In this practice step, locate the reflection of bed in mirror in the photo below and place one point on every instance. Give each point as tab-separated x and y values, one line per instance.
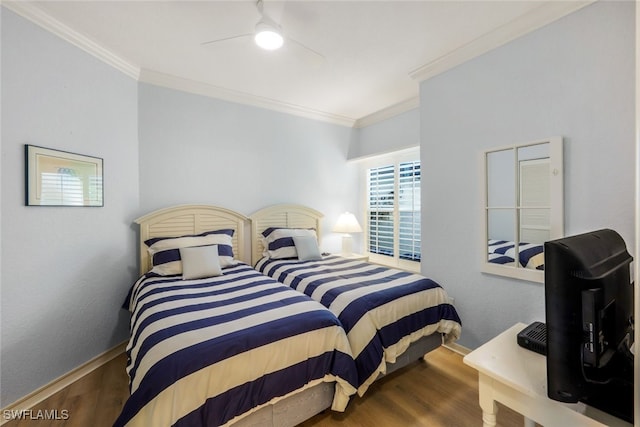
530	255
523	207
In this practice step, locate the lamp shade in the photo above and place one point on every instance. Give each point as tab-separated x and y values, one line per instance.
268	36
347	223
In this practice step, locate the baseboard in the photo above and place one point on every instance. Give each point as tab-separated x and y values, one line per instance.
462	350
37	396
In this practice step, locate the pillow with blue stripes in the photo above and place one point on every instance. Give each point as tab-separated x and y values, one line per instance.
278	242
165	251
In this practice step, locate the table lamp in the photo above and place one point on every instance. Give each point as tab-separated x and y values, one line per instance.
347	223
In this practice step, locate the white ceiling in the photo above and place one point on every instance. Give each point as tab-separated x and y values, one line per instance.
374	52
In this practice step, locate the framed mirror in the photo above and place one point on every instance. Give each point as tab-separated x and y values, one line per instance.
523	207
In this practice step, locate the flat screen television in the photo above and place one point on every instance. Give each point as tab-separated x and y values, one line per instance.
589	321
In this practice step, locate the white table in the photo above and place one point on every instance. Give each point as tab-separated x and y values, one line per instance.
517	378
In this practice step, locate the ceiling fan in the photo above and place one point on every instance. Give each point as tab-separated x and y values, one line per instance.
268	35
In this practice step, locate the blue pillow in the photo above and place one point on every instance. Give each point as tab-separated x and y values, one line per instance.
307	248
200	262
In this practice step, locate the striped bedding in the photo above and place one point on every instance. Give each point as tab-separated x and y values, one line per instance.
383	310
208	352
503	252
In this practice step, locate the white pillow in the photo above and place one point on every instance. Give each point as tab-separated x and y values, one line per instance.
307	248
199	262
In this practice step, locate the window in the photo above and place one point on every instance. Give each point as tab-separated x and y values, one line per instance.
393	211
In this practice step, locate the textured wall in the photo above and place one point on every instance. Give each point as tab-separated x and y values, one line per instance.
195	149
65	271
396	133
573	78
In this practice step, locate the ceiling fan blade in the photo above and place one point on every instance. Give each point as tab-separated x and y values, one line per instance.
226	39
313	52
296	48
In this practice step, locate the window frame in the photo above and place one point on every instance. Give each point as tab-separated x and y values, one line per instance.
395	159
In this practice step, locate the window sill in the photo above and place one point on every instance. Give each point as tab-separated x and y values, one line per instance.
411	266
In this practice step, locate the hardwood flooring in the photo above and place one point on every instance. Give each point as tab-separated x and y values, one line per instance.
440	391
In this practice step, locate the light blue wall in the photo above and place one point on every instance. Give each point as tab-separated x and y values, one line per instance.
573	78
195	149
393	134
65	271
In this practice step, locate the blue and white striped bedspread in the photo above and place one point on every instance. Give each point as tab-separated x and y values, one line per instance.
503	252
383	310
208	352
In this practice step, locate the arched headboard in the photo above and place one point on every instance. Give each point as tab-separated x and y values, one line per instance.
190	219
285	216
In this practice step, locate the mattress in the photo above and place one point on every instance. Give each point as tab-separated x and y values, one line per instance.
212	351
383	310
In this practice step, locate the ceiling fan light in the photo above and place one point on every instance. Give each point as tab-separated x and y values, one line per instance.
268	37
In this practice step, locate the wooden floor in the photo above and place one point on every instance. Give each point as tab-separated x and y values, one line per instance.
438	392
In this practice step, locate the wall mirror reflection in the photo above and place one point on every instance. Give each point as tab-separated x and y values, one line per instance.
523	207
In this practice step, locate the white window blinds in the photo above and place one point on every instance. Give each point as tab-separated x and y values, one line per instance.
393	210
61	188
409	211
381	210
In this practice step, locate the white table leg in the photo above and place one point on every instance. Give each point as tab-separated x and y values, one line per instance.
488	405
488	420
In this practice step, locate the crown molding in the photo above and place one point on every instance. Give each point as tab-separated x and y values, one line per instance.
36	15
199	88
537	18
389	112
39	17
544	14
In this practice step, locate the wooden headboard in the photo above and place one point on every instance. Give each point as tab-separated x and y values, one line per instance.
190	219
286	216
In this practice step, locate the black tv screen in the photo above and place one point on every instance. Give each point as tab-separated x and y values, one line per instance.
589	321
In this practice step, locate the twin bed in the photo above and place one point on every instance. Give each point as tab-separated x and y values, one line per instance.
215	341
